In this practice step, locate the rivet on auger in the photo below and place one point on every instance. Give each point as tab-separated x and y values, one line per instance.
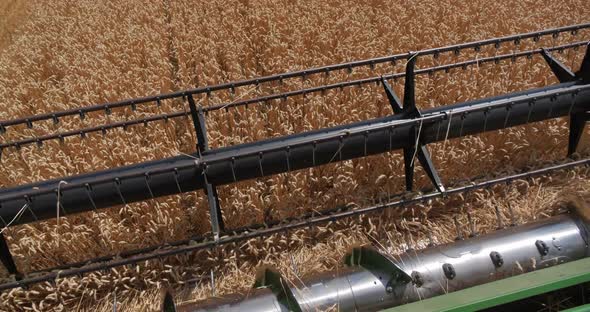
449	271
497	259
417	279
542	247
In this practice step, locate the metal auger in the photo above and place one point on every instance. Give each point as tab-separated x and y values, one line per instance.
373	280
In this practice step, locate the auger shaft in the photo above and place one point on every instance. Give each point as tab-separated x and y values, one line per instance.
373	280
246	161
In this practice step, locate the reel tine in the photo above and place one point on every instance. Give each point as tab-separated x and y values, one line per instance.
2	219
176	174
314	145
531	105
498	218
147	178
288	152
513	221
408	242
212	283
118	187
366	138
29	203
260	155
472	226
233	168
486	114
89	194
458	229
430	239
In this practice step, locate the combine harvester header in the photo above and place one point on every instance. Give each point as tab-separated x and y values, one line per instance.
374	280
408	128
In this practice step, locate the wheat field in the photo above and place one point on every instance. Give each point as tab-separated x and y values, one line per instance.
62	54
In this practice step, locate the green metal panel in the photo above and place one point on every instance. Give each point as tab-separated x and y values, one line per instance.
506	290
582	308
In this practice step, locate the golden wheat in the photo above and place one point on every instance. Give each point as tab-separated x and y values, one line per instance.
69	54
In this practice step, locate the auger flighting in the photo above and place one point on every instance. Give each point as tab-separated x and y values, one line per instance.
373	280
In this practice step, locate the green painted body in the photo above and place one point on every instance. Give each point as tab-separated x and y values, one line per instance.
582	308
507	290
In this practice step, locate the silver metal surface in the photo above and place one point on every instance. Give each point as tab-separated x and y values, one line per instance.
516	250
350	289
472	262
260	300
